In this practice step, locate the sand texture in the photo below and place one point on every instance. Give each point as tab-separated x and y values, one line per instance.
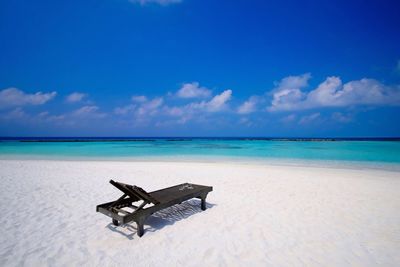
258	215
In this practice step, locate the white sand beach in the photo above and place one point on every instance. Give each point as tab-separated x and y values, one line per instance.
258	215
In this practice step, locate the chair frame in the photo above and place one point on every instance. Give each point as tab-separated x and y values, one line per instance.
114	209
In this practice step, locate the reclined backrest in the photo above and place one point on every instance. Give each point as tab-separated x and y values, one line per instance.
136	193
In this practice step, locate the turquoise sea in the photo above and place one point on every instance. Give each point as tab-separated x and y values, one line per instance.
340	151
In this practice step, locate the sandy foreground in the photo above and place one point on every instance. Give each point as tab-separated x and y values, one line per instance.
258	215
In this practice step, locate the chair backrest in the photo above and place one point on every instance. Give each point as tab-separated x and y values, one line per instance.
135	192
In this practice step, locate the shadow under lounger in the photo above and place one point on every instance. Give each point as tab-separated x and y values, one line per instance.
159	199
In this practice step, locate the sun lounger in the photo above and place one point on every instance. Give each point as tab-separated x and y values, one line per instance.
155	201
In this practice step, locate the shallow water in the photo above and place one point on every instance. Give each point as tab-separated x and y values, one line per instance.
335	151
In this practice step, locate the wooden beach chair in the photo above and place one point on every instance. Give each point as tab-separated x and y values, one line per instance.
156	200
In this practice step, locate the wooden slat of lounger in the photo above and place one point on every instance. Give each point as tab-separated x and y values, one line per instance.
146	196
169	197
124	203
170	193
123	187
135	191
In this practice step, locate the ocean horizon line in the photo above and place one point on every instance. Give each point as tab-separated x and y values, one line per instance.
183	138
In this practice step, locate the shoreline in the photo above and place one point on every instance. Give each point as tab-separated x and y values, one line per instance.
330	164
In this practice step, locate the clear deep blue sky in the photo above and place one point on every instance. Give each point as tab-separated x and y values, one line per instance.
199	68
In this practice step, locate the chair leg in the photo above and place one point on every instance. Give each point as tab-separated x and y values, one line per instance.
203	202
115	222
140	227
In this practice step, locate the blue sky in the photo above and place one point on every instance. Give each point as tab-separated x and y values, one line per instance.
199	68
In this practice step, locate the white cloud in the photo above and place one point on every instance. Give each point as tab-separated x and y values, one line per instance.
76	117
160	2
217	103
309	118
20	116
142	107
15	114
193	90
75	97
288	92
197	109
249	105
88	112
139	98
294	82
332	93
124	110
85	110
11	97
184	113
174	111
150	107
45	116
